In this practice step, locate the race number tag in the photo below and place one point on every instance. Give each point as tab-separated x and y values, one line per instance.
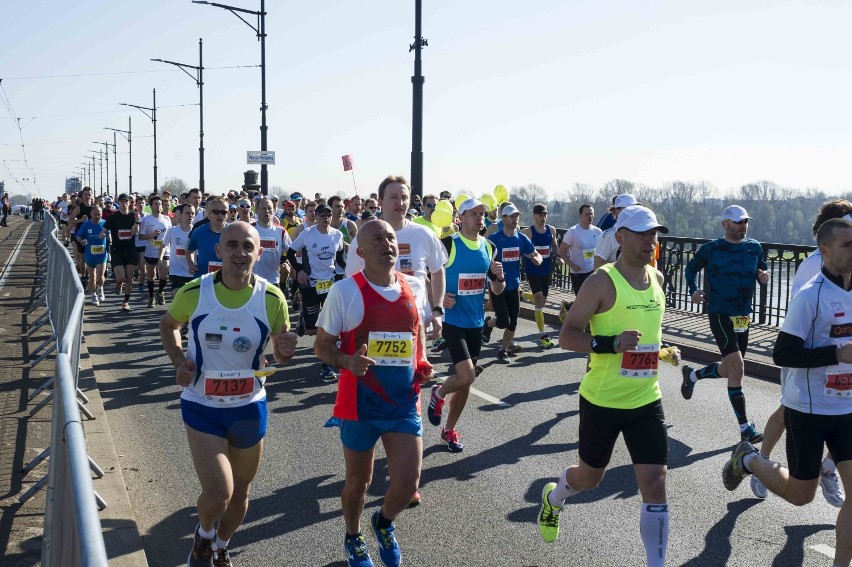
543	250
98	249
180	251
125	234
588	254
405	263
158	243
391	349
511	254
323	286
213	267
642	362
228	384
839	384
740	323
267	244
471	284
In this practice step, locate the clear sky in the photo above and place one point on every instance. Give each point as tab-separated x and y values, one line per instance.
551	92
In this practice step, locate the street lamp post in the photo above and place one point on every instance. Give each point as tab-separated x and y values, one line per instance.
199	82
127	135
260	31
106	154
153	117
417	102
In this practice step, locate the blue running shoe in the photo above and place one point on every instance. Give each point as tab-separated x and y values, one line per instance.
388	547
357	553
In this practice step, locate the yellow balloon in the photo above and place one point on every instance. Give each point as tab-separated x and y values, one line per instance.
442	218
501	194
461	199
444	205
489	201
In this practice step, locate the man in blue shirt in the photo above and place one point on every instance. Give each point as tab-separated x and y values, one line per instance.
731	265
201	250
509	246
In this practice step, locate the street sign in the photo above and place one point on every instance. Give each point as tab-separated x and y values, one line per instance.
261	157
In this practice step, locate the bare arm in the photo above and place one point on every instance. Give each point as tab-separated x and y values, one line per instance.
325	347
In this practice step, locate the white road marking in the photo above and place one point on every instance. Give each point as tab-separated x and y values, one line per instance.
9	263
826	550
483	395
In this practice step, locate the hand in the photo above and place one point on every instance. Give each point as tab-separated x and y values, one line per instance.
449	300
574	267
185	373
844	353
359	363
303	278
84	242
558	260
698	296
284	345
670	354
537	259
434	326
628	340
424	372
496	268
762	277
191	266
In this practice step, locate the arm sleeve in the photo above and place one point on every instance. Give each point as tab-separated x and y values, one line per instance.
761	261
698	262
790	351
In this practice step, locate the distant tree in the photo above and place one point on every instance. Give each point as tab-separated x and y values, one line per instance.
174	185
19	200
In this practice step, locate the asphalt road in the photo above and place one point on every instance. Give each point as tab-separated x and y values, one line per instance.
480	506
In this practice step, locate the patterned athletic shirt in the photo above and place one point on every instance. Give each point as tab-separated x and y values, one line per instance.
730	274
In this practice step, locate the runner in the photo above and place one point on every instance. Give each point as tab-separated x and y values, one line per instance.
353	208
274	243
290	220
543	237
732	263
122	226
429	203
376	315
578	251
606	250
344	225
232	314
139	205
94	250
624	303
320	247
815	350
202	256
152	228
470	265
79	215
62	206
509	245
175	241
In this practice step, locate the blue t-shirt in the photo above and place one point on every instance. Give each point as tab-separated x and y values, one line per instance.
467	277
543	243
730	274
509	252
204	241
95	247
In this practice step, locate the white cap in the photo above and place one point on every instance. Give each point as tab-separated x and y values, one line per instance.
639	219
510	210
625	200
735	213
472	204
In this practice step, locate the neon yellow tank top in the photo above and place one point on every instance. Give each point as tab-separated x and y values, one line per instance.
627	380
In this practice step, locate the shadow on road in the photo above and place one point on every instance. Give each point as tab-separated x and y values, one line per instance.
793	552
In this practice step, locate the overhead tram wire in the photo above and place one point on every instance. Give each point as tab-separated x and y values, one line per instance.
120	73
4	96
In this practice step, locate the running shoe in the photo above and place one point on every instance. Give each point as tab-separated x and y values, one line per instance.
545	343
161	298
118	289
438	345
453	440
486	331
734	470
757	488
548	517
436	406
832	488
101	294
328	373
201	554
388	547
514	348
300	328
357	554
125	306
751	434
563	311
415	500
221	558
477	370
503	357
151	301
687	386
95	300
528	295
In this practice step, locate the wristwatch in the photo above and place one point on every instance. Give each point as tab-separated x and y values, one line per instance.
438	310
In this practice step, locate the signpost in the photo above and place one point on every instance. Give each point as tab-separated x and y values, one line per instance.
261	157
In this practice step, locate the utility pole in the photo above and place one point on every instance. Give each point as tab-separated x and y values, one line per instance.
417	102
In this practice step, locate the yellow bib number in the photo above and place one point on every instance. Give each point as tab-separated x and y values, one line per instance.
98	249
741	323
391	349
323	286
588	254
158	243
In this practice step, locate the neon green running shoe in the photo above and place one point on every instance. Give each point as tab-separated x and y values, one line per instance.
548	518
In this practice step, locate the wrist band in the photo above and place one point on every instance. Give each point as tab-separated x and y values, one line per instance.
602	344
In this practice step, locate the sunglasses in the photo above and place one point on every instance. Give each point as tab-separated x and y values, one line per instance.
430	205
219	211
742	222
245	206
373	208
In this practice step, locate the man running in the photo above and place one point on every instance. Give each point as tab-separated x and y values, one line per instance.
274	243
344	225
94	252
202	256
176	240
815	351
152	228
470	266
731	265
606	250
543	237
232	314
624	304
79	215
376	315
578	251
123	227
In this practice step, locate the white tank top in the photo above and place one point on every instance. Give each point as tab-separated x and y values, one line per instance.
226	346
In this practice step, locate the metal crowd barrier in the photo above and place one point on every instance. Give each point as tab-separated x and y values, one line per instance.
72	528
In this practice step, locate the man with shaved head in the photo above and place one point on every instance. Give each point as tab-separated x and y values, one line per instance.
376	315
232	315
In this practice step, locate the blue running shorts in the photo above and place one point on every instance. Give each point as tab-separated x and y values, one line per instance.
362	434
243	426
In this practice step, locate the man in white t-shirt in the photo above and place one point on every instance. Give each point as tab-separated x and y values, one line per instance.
175	241
62	207
152	227
578	247
814	348
274	243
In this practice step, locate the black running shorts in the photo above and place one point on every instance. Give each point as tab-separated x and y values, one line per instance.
124	257
539	283
806	435
463	344
506	306
644	430
726	339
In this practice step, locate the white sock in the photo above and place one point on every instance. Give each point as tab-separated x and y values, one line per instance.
693	377
828	466
654	529
562	491
207	534
220	543
747	459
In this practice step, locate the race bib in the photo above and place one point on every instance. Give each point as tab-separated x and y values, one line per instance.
98	249
158	243
323	286
471	284
543	250
228	384
642	362
391	349
213	267
511	254
839	382
268	243
180	251
740	323
125	234
406	266
588	254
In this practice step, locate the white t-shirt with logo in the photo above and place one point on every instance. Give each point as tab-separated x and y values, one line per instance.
321	250
176	240
420	252
581	246
149	225
274	241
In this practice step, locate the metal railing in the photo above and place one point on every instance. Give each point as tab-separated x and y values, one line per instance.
770	301
72	528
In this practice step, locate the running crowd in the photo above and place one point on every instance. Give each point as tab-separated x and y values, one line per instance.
382	281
